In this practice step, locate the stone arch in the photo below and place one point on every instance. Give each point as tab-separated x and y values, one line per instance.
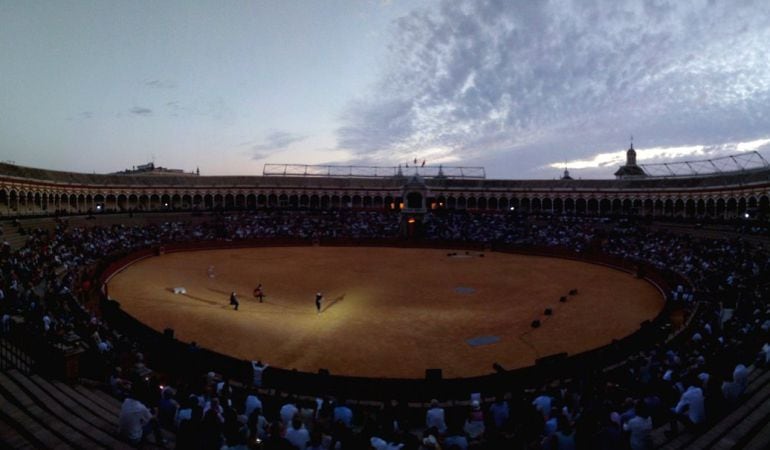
581	206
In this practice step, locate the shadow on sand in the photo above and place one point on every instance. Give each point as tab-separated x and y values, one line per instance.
333	302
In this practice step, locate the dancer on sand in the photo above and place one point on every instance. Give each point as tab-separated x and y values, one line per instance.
258	293
234	300
210	271
318	298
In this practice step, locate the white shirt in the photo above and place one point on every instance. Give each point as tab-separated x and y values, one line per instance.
298	438
692	401
252	403
542	404
133	416
435	418
640	429
287	413
741	375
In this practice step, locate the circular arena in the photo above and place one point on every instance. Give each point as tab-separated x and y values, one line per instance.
669	303
387	312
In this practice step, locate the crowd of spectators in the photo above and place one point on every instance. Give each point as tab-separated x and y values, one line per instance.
689	380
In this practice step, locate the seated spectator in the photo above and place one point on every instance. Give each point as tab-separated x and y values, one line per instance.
252	402
474	424
500	413
167	407
275	440
297	434
639	428
288	411
212	426
691	407
344	414
434	417
564	437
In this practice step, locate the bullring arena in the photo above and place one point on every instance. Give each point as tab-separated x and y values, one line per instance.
436	284
387	312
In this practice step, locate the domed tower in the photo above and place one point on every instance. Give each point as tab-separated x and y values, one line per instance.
630	169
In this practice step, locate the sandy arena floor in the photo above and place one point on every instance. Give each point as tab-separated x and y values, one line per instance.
387	312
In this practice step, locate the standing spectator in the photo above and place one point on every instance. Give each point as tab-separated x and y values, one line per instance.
136	420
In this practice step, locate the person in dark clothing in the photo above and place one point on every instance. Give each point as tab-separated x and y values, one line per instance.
274	441
259	293
234	300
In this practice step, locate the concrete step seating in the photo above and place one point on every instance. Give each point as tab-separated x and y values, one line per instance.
761	439
40	413
9	437
71	417
742	425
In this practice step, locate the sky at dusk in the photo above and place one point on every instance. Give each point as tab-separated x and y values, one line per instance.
519	87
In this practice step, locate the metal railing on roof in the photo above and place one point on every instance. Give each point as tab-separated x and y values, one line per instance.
309	170
738	162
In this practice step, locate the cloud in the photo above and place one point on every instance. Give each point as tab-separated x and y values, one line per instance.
676	154
520	84
160	84
140	111
216	108
275	140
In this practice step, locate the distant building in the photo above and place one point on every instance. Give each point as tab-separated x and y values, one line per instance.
150	169
630	169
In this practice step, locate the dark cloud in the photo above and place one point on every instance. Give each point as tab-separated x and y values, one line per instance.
275	140
258	156
140	111
519	84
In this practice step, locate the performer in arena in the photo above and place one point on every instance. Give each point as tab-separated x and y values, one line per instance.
318	298
259	293
234	300
210	271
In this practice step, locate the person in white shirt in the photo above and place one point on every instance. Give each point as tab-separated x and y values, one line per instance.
287	412
640	429
252	402
691	408
434	418
542	404
133	417
297	434
136	420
